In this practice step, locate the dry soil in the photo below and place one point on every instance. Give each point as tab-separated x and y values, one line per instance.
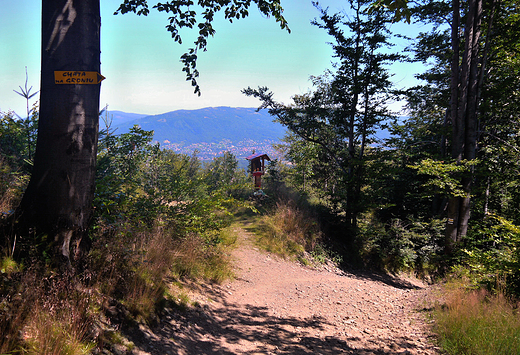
275	306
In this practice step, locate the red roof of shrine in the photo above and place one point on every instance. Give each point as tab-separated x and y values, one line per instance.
258	155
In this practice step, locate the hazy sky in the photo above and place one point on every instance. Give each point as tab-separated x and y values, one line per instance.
141	62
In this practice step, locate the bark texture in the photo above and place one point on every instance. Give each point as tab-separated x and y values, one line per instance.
464	113
58	200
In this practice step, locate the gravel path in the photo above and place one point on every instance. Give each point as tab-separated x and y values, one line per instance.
280	307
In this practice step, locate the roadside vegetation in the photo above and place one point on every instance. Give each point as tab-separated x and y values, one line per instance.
160	218
477	322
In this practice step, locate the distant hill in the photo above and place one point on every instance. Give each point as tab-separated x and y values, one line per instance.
208	125
208	131
211	131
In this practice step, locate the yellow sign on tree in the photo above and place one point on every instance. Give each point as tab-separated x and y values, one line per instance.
78	77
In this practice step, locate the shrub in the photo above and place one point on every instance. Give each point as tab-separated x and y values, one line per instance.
12	184
400	245
491	254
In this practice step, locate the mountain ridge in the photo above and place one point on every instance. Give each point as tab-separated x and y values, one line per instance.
210	125
209	131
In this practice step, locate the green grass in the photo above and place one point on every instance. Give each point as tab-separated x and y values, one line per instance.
279	244
195	259
9	266
477	323
288	231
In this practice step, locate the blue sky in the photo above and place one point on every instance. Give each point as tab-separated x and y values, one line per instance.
141	62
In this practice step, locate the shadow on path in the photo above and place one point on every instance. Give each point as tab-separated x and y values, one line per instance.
384	278
245	329
225	327
366	275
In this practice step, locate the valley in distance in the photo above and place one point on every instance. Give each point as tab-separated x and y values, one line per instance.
209	131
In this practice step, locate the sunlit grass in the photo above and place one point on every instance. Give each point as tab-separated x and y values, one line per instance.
197	259
53	334
288	231
478	323
8	265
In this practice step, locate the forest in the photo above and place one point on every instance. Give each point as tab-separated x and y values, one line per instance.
439	199
442	191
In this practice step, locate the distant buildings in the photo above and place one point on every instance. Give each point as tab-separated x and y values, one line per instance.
242	149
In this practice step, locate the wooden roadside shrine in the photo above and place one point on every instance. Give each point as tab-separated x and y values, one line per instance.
258	167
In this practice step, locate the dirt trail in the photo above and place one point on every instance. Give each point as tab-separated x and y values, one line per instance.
280	307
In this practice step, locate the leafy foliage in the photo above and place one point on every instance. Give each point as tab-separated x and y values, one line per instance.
491	255
18	139
147	186
443	175
401	244
222	174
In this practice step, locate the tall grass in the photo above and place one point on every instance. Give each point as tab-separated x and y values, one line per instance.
478	323
45	315
12	183
60	333
127	279
196	258
141	263
289	231
153	256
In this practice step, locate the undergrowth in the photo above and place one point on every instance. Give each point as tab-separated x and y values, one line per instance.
43	313
158	218
126	282
476	322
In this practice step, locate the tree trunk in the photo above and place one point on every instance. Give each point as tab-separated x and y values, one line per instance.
452	214
58	199
470	138
464	102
